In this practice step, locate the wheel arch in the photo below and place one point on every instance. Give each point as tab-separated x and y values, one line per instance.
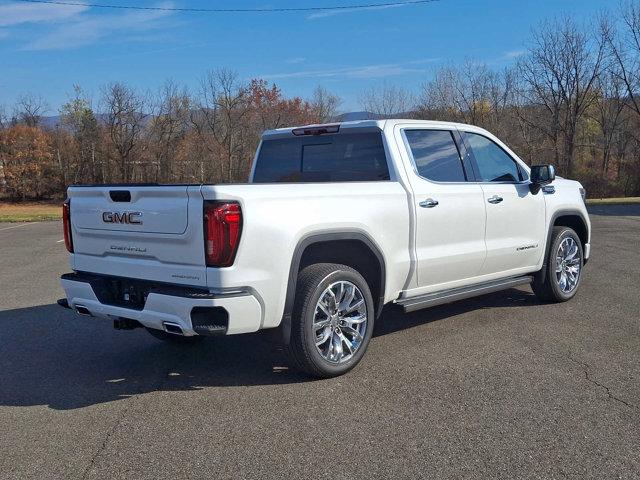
354	248
573	219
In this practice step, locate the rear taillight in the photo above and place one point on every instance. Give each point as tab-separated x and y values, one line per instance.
222	228
66	224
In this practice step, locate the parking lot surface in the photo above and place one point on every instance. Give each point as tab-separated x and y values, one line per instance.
499	386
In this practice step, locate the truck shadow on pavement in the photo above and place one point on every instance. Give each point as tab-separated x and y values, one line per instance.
50	356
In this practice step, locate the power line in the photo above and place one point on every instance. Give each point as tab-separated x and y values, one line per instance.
234	10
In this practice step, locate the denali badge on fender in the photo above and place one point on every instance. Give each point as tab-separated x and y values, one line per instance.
527	247
124	217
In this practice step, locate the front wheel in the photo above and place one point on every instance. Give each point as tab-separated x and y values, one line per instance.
332	320
563	267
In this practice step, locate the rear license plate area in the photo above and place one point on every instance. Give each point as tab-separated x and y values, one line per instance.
123	293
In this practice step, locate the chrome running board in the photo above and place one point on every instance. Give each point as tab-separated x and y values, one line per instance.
446	296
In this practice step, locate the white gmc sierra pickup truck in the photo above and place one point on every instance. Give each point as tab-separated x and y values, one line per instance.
335	222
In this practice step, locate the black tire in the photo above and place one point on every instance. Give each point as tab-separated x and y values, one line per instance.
546	285
312	283
173	338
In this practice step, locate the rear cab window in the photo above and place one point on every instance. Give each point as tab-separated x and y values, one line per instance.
435	155
340	157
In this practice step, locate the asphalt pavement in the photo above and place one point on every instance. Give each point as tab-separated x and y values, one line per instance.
500	386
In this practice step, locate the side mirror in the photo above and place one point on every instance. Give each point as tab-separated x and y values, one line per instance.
541	175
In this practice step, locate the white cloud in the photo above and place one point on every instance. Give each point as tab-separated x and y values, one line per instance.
331	13
506	57
78	25
89	29
17	13
365	71
510	55
295	60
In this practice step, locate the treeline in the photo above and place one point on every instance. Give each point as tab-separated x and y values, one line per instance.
571	99
167	136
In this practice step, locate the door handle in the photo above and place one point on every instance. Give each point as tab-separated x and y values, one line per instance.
494	199
428	203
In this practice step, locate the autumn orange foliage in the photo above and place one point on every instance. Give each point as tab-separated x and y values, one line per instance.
27	163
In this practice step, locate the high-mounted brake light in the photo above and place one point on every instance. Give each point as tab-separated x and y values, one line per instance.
222	228
66	224
319	130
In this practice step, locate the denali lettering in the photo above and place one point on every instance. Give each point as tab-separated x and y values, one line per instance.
185	277
128	249
132	218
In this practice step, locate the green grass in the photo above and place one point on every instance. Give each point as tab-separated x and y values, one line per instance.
28	218
613	201
29	212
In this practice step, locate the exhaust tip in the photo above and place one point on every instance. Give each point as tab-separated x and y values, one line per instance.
82	310
172	328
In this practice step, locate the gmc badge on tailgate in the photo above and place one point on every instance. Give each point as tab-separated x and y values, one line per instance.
132	218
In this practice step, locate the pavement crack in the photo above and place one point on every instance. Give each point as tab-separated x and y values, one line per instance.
105	442
587	375
114	428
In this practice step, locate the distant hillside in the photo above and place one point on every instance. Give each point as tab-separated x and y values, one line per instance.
54	120
50	122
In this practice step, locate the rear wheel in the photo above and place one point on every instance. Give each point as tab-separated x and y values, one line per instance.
173	338
563	267
332	320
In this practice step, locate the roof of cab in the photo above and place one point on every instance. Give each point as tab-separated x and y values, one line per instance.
364	124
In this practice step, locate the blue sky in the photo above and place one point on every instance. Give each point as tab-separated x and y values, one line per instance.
45	49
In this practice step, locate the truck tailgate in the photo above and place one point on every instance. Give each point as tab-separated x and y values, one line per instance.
146	232
155	209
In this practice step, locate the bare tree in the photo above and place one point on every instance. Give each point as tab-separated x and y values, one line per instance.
501	98
223	105
608	113
471	94
459	93
29	109
125	120
78	118
3	117
559	74
3	123
387	101
624	47
168	127
625	50
324	105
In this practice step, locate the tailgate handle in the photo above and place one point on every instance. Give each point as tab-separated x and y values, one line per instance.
120	195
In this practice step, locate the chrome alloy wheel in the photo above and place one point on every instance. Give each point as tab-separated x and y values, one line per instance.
340	321
568	264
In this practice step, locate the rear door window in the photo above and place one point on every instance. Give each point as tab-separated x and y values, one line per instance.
343	157
436	155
